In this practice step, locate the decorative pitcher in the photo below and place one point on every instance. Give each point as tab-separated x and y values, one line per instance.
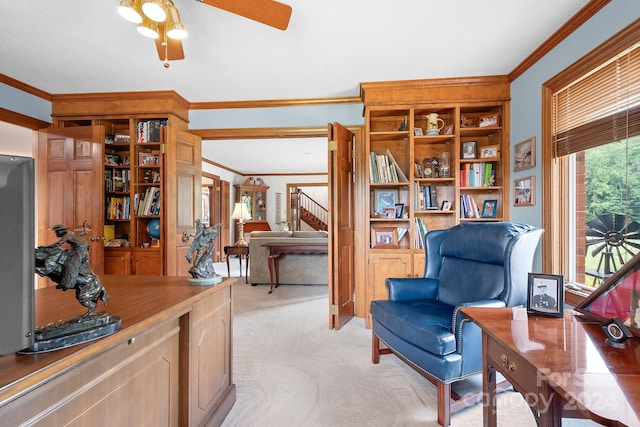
434	124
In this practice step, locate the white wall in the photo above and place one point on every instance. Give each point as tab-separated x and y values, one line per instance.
16	140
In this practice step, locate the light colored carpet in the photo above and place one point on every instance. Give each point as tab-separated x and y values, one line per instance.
290	369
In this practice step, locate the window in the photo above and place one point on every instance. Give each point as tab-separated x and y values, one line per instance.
591	164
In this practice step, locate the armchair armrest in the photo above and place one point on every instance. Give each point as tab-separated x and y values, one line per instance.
459	318
409	288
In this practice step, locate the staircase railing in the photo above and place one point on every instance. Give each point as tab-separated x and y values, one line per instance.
309	211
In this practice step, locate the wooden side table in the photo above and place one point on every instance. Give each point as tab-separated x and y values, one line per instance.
241	252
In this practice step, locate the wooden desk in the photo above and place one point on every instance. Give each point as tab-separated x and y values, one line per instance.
277	249
168	365
561	366
242	252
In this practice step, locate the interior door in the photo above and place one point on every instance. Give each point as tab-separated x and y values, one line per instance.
70	183
341	225
183	198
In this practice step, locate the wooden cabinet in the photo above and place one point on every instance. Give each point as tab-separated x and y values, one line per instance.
421	176
168	365
253	193
151	189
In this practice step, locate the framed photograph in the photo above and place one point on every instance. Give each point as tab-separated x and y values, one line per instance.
446	205
469	150
489	208
417	131
418	169
399	210
389	213
524	191
111	159
148	159
545	294
384	198
384	237
448	130
524	154
490	152
489	120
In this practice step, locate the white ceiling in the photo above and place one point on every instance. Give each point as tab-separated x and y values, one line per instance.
76	46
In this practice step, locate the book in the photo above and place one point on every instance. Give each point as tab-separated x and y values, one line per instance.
400	174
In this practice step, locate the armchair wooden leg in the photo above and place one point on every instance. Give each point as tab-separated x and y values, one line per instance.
444	404
375	348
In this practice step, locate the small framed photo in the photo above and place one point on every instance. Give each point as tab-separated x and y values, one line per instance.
448	130
489	208
524	154
490	152
384	237
417	132
545	294
399	210
446	205
389	212
384	198
148	159
469	150
418	169
524	191
489	120
111	159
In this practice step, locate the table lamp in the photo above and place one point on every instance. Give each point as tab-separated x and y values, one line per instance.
240	213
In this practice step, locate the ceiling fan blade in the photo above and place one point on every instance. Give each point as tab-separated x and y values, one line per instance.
174	50
268	12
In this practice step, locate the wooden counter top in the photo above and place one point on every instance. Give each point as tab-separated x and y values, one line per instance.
142	302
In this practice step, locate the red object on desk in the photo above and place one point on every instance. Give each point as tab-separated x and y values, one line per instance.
277	249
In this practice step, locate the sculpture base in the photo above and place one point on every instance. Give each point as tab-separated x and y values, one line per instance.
206	281
69	332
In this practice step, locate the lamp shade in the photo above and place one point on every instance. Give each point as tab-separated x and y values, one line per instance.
240	212
175	29
130	10
154	9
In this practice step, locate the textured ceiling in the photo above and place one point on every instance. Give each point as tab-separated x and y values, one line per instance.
76	46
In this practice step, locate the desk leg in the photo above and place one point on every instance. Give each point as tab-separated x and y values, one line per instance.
270	260
228	269
488	388
240	259
246	270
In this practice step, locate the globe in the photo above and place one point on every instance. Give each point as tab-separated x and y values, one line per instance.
153	229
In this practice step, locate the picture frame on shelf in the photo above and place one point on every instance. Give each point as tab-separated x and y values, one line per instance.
489	208
524	191
148	159
489	120
524	154
446	205
399	210
417	132
448	130
545	294
384	237
490	152
389	212
469	150
384	198
418	171
111	159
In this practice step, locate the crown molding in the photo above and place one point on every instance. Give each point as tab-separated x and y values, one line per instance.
10	81
556	38
22	120
268	103
260	133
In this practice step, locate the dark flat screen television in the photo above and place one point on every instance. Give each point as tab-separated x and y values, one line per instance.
17	253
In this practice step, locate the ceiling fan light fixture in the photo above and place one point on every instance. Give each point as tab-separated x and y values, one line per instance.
131	10
174	26
149	28
154	10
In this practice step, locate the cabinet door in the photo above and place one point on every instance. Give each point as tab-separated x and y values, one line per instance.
117	261
146	262
383	266
70	185
182	198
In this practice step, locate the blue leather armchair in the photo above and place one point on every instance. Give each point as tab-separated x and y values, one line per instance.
471	264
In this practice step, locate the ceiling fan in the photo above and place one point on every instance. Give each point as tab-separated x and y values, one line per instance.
160	20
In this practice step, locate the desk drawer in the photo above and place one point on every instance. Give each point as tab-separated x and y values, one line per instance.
513	367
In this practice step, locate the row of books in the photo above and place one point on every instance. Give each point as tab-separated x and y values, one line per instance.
468	207
147	203
118	138
425	197
384	168
479	174
118	207
420	231
149	130
117	180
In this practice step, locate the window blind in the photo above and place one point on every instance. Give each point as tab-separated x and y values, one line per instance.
600	107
